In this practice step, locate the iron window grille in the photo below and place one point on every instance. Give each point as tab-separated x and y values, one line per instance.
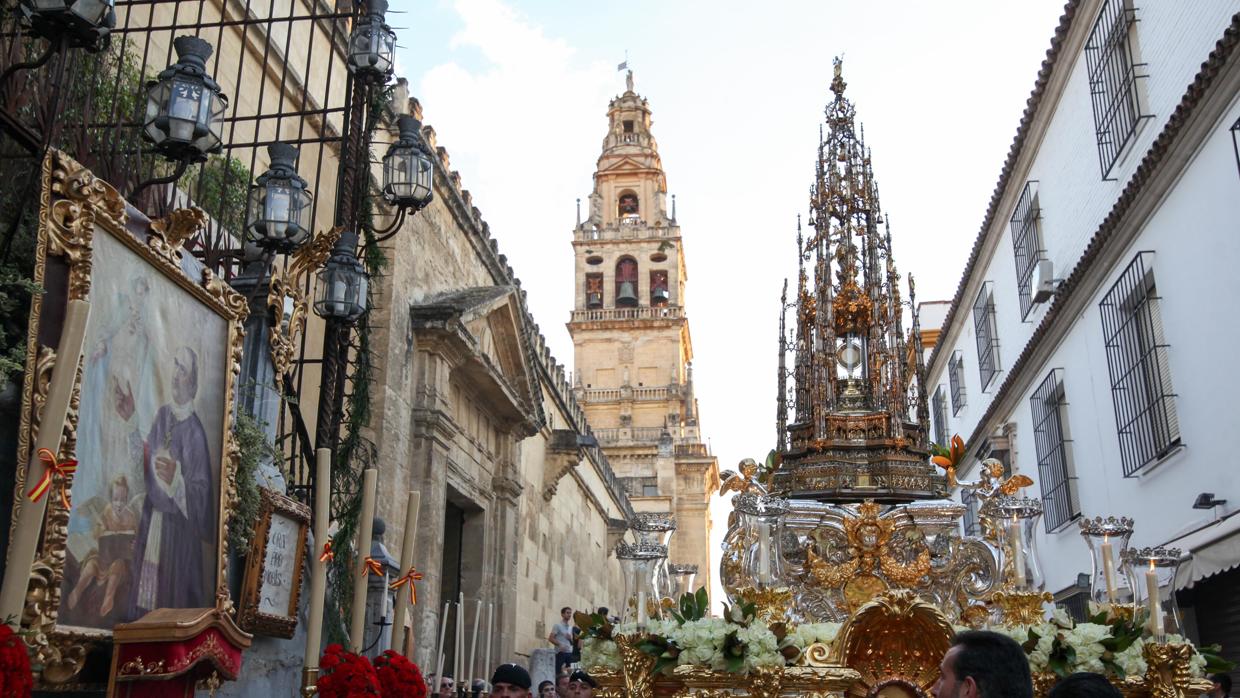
940	416
1114	72
1076	604
1026	244
1058	498
986	330
972	521
955	374
1136	346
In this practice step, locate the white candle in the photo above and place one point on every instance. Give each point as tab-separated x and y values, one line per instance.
406	562
1018	555
473	648
318	568
357	625
1108	569
486	667
458	660
641	609
29	523
764	553
1154	602
443	630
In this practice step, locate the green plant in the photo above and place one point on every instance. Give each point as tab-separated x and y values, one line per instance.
220	189
255	448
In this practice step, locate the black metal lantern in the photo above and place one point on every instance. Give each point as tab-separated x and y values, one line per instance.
343	283
408	171
277	219
372	45
86	24
184	106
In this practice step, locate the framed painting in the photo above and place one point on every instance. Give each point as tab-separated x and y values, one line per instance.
272	585
150	423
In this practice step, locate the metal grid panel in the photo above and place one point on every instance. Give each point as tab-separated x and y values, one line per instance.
1026	243
1058	498
940	416
987	334
955	374
971	523
1113	75
1145	415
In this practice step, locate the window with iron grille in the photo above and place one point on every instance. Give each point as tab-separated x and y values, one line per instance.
1076	604
971	521
1058	500
986	330
1026	243
940	416
1114	80
955	374
1145	415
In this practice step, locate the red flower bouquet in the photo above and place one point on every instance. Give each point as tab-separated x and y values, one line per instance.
399	677
15	677
346	675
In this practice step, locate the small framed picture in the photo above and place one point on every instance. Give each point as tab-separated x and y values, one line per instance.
272	585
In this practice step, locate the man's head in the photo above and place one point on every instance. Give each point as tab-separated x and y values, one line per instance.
510	681
566	614
603	611
447	687
1084	684
546	689
984	664
1221	687
184	376
581	685
561	685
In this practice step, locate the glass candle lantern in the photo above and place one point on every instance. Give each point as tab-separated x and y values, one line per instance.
1152	574
1107	539
656	528
184	105
683	577
1016	520
639	564
85	24
762	518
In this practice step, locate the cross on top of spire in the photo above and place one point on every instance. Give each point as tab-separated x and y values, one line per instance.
837	83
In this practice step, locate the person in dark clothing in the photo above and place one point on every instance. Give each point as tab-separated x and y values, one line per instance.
1084	684
1221	687
984	664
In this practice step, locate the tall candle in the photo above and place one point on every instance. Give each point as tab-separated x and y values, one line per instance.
318	568
486	666
1154	602
357	625
443	630
1108	569
764	553
1018	555
406	562
29	522
458	659
473	649
641	609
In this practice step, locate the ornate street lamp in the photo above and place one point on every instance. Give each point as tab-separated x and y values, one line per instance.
86	24
184	106
277	201
343	283
408	174
372	45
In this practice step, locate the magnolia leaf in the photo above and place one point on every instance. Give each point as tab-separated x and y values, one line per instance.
703	602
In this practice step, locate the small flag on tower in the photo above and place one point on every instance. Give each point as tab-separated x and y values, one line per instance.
623	66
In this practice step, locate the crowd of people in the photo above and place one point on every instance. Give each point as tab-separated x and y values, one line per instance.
979	664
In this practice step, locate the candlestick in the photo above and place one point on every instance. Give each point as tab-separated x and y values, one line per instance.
30	514
443	630
486	667
473	647
406	562
357	626
1018	557
1108	569
318	568
1154	602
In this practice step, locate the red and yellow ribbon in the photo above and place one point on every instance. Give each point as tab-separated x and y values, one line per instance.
327	555
409	578
55	468
371	566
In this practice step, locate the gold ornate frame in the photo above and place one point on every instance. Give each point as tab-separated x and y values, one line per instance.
75	205
250	618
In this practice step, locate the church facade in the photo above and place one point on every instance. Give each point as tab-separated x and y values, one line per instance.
630	329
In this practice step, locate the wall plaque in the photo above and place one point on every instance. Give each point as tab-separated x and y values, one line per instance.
272	586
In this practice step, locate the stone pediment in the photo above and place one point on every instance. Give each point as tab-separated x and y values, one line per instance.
486	326
629	164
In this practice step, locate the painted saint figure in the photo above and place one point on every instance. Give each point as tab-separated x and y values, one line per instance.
177	513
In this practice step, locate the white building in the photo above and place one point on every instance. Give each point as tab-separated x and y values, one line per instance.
1092	341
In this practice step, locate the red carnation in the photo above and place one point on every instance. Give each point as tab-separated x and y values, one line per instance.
399	677
346	675
15	677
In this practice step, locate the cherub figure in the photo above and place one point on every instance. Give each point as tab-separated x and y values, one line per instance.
108	564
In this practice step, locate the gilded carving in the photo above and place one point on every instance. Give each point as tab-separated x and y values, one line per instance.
286	298
638	681
896	638
1021	607
168	234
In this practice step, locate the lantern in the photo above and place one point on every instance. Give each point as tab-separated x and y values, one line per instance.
184	106
372	45
277	220
343	283
84	24
408	171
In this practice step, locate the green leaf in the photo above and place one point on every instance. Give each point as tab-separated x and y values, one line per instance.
703	602
662	664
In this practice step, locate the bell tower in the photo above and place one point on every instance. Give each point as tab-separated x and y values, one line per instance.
633	354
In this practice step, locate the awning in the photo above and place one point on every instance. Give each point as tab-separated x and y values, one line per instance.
1211	549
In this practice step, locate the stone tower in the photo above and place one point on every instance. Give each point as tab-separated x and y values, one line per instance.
630	332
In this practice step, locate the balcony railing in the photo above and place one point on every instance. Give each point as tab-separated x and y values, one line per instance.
605	314
626	230
664	392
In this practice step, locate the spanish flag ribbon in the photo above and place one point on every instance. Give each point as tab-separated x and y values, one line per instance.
409	578
372	566
327	555
55	468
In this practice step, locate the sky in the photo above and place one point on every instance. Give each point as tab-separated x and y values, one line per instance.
517	92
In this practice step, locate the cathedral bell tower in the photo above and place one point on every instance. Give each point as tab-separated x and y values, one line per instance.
633	354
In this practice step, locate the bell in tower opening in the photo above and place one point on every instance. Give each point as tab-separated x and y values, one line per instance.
628	204
857	427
